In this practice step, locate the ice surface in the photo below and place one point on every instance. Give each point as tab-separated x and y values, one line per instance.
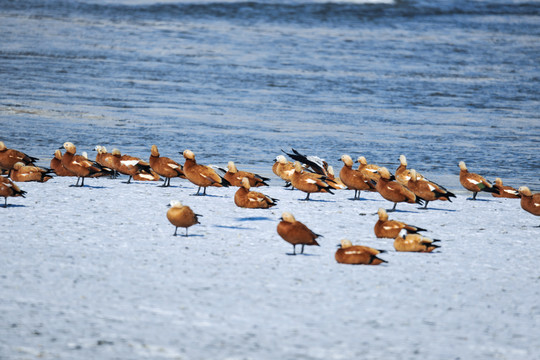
95	272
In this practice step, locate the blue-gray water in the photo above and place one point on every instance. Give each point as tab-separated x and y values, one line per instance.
437	81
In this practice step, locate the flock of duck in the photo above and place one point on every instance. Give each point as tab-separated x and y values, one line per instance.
309	174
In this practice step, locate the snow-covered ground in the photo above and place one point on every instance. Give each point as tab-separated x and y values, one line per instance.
95	273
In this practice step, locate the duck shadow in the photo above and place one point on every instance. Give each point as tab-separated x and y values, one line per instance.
254	218
361	199
89	187
317	200
299	254
11	205
208	195
471	199
390	211
437	209
233	227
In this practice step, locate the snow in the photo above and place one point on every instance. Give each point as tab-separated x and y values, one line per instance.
95	272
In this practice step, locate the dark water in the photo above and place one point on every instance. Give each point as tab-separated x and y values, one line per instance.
437	81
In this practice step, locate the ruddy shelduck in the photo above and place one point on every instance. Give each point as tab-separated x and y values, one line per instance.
315	163
79	165
357	254
252	199
296	233
333	181
181	216
283	168
9	157
530	202
354	179
402	174
9	189
105	159
385	228
57	167
201	175
474	182
505	191
368	170
234	177
24	173
394	191
427	190
164	166
134	167
414	243
308	182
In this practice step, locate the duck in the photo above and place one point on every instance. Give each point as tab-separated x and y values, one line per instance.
252	199
57	167
308	182
235	177
394	191
402	174
354	179
283	168
357	254
106	159
385	228
529	202
368	170
9	157
474	182
201	175
414	243
427	190
296	233
106	171
9	189
24	173
134	167
333	181
181	215
505	191
80	165
315	163
164	166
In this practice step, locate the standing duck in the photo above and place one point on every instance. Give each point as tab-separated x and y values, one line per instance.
427	190
354	179
164	166
201	175
296	233
474	182
394	191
